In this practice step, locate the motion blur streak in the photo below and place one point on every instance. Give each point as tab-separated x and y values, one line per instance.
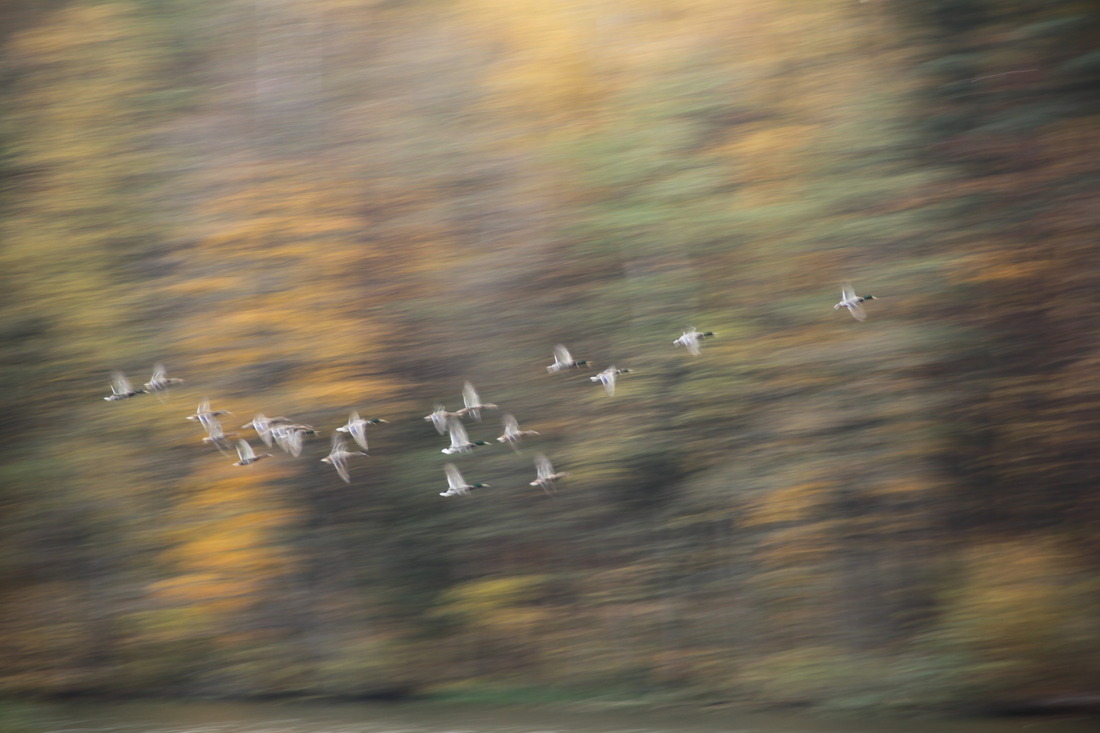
310	207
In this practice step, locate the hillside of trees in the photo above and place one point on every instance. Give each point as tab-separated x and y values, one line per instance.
308	207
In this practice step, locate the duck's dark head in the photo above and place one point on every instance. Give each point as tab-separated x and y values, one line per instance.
868	297
705	334
479	486
582	362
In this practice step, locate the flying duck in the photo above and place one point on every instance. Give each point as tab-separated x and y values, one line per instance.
564	360
474	405
456	485
608	376
121	388
512	434
460	441
692	340
338	457
160	380
247	455
545	475
854	303
356	427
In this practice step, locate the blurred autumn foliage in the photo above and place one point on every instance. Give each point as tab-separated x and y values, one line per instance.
305	207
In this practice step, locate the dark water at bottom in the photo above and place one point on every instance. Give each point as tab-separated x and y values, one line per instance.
221	717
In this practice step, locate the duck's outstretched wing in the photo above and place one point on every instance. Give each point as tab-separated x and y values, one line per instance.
244	451
472	401
289	440
512	433
543	468
359	434
340	463
120	384
562	359
609	376
438	419
357	429
213	427
201	412
459	436
690	341
337	458
454	478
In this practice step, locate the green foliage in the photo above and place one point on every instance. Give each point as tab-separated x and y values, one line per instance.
21	717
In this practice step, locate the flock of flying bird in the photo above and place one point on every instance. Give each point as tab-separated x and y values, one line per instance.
290	435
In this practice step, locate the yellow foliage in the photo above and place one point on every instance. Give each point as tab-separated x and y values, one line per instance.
204	588
801	545
797	503
769	153
223	541
207	285
904	485
1012	587
479	600
343	394
551	68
